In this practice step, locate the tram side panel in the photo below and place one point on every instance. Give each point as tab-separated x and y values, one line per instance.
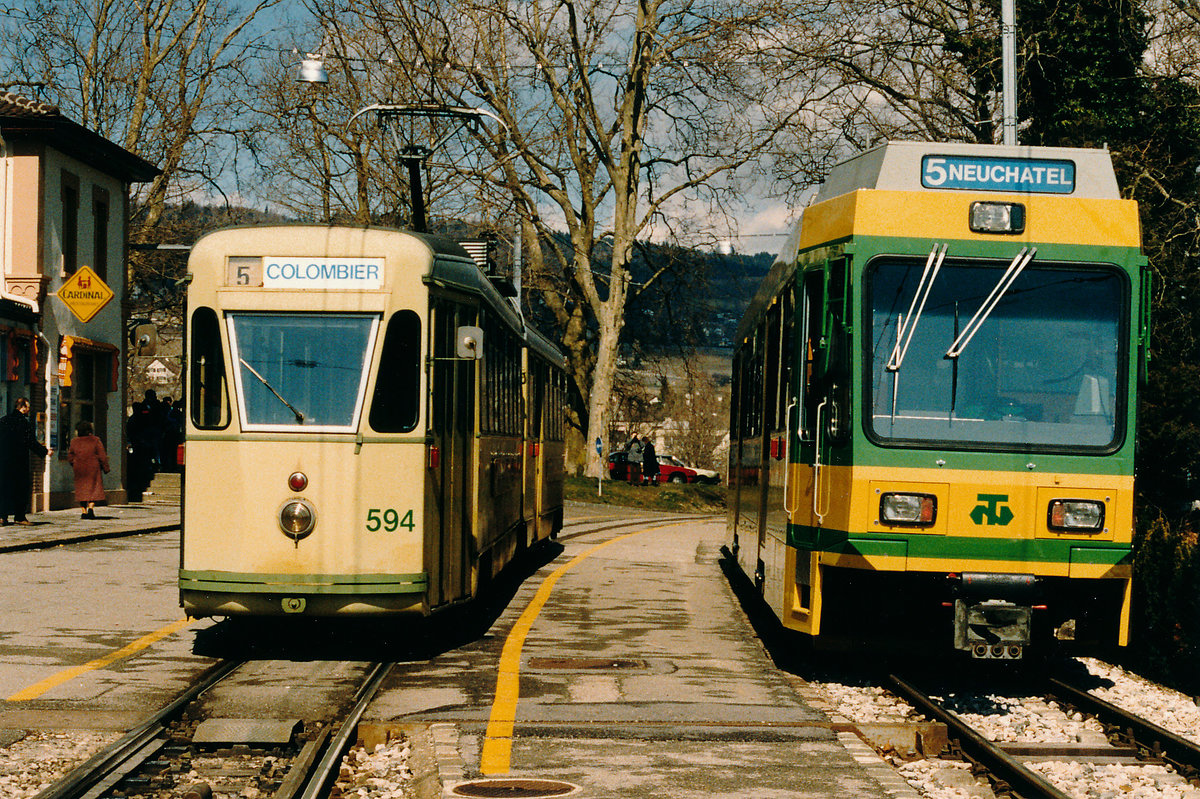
552	457
499	477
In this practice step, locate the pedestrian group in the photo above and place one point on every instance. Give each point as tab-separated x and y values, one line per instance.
640	451
154	430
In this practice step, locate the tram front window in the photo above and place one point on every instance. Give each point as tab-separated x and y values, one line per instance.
305	372
1045	369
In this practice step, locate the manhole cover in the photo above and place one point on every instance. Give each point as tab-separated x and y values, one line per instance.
515	788
586	663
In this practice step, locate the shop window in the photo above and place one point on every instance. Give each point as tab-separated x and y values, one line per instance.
85	396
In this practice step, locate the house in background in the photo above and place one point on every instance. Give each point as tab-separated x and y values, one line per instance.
64	200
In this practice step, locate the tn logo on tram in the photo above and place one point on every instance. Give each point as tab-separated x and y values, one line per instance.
992	510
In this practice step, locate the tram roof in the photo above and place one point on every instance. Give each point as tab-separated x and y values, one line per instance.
899	166
451	266
545	348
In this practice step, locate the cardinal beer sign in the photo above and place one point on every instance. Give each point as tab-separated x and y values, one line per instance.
85	293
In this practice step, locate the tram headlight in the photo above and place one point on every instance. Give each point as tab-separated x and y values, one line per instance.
918	510
297	518
994	217
1076	515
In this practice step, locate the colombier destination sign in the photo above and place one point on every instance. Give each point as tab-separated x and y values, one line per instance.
85	293
979	173
303	272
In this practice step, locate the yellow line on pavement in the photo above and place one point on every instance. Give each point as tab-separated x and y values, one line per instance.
37	689
497	744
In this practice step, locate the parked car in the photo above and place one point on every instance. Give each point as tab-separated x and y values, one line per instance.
619	466
671	469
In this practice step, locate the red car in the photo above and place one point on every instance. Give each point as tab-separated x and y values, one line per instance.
670	470
673	470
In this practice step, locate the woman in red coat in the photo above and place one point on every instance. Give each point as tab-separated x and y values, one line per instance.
89	460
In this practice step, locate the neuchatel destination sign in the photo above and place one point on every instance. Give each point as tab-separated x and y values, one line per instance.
85	293
977	173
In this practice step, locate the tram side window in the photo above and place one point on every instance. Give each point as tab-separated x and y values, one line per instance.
752	387
787	352
209	400
396	403
556	409
501	381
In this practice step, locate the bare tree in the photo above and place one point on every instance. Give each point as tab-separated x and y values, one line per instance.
158	77
315	157
619	119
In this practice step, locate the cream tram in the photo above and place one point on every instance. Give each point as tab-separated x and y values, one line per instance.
372	429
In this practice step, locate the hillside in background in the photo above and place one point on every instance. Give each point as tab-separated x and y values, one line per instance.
695	303
698	303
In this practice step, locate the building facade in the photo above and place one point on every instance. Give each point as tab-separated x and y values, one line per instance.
64	199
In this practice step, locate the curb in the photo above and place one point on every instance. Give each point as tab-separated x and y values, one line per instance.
59	539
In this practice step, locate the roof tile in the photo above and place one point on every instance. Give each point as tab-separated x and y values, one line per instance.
15	105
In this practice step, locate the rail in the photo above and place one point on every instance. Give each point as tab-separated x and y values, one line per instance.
1019	779
323	771
1182	754
107	767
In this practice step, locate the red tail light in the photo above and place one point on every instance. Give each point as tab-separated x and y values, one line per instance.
435	457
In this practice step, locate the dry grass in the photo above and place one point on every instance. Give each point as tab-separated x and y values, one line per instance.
694	498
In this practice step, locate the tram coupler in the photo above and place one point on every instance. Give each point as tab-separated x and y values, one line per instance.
993	614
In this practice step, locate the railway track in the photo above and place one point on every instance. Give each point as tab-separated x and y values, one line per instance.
1133	741
159	757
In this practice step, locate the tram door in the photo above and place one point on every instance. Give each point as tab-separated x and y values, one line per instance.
746	465
823	402
452	414
771	520
536	375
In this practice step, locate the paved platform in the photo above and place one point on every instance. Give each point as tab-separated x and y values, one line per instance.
638	675
159	511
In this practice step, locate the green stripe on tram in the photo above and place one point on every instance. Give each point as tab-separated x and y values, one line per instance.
241	582
932	547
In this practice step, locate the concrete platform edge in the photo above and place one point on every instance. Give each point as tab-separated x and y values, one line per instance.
877	768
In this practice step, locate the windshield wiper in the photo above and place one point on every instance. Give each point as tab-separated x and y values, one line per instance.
1023	259
278	396
907	325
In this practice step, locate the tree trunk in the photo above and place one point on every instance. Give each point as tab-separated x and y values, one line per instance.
602	383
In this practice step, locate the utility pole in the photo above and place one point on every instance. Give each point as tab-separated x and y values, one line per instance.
1008	54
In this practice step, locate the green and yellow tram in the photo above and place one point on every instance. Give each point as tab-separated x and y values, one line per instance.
372	428
932	437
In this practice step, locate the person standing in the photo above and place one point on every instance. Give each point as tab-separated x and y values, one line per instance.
635	461
17	440
141	463
649	463
89	461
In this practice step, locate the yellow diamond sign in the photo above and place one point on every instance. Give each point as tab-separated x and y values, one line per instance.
85	293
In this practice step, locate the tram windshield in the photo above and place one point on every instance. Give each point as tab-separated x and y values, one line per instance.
301	371
1043	370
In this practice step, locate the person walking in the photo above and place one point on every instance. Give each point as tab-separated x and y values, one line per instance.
649	463
89	461
17	440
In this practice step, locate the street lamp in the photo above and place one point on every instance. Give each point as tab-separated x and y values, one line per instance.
312	69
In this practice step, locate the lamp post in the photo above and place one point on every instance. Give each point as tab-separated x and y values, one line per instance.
1008	56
